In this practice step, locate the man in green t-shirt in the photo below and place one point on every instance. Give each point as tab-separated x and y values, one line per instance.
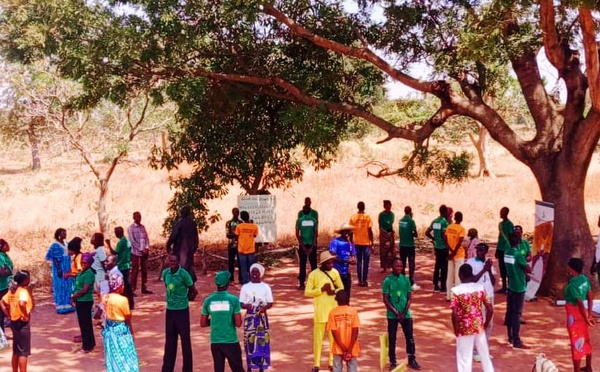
177	322
407	230
505	228
517	271
123	252
307	232
437	233
222	312
6	269
396	290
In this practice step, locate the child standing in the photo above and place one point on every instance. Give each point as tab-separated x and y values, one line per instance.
344	324
17	305
471	243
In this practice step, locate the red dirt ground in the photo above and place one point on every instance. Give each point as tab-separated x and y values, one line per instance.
291	322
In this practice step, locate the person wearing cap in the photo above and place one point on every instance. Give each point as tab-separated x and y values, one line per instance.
117	335
579	319
322	285
307	232
345	254
177	322
83	298
221	312
363	238
256	297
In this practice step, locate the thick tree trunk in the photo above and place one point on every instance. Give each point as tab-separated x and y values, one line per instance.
562	183
34	145
102	213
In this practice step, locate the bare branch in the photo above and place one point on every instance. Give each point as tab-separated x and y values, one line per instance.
591	54
552	46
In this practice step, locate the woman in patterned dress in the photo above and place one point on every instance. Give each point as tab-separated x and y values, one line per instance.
61	264
119	350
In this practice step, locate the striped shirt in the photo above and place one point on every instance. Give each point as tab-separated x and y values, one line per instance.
138	238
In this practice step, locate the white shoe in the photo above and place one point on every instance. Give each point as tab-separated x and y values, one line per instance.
477	358
416	287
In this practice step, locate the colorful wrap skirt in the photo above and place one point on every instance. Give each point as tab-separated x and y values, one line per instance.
386	249
61	288
257	341
119	351
579	333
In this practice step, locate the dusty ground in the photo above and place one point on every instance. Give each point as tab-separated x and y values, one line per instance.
291	321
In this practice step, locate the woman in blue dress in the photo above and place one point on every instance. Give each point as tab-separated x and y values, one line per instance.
60	262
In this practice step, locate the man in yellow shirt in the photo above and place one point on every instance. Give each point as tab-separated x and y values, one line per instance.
246	232
455	234
322	285
363	240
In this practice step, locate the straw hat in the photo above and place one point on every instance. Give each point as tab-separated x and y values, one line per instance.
325	256
345	226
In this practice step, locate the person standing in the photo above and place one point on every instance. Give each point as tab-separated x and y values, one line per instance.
83	298
455	234
307	232
117	336
313	213
322	285
343	323
61	263
232	244
505	228
99	257
221	312
363	239
437	233
483	271
6	273
595	268
17	305
140	250
471	243
524	246
345	254
407	230
183	242
256	297
396	290
246	233
468	300
177	321
579	319
516	270
387	238
123	252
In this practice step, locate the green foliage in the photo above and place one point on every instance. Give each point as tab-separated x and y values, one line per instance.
438	165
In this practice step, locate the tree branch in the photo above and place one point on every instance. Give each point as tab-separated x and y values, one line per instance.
552	46
591	54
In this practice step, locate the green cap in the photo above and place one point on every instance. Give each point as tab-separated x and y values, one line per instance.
222	278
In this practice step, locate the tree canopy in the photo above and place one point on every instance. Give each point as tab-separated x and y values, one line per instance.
321	55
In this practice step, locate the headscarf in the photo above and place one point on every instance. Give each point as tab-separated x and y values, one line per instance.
115	281
222	278
87	258
260	268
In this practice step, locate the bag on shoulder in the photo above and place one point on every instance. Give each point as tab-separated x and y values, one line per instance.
543	364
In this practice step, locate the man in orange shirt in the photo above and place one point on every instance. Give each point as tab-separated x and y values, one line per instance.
344	324
246	232
455	234
363	240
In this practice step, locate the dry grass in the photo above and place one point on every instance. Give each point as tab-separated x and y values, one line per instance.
63	194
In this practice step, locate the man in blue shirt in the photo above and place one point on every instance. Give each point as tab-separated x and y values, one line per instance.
345	253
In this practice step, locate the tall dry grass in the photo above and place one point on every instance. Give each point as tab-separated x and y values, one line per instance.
64	194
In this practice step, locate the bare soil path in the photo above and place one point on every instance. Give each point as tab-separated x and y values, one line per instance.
291	322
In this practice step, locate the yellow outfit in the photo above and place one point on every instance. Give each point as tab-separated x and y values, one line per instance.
453	234
323	303
362	222
246	233
116	307
12	299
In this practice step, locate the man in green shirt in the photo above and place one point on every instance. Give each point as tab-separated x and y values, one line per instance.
6	269
123	252
307	232
386	236
177	324
222	312
313	213
396	290
506	228
517	271
437	233
407	229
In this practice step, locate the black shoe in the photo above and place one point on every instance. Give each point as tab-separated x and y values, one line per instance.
412	364
301	287
436	289
521	346
393	365
145	291
443	290
315	369
523	322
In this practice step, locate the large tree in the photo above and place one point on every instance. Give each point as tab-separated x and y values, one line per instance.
465	44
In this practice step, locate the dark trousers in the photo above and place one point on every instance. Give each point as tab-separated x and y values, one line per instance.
500	256
363	257
407	329
232	256
231	352
440	271
84	318
312	258
2	293
177	324
408	253
127	291
514	309
347	282
139	264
